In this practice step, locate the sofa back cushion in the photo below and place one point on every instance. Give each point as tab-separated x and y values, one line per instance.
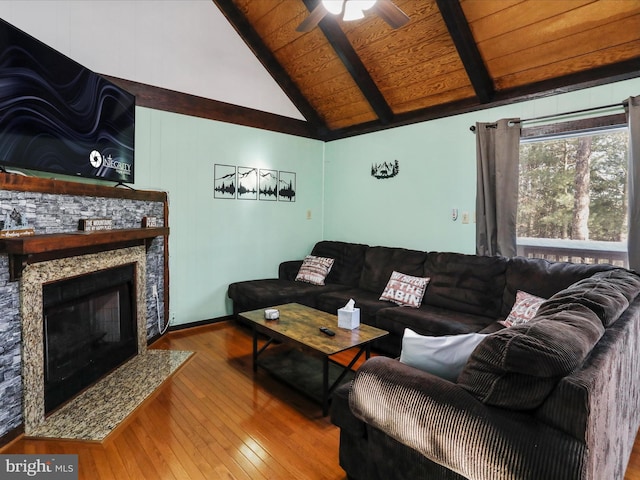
518	367
465	283
349	259
542	278
607	294
381	262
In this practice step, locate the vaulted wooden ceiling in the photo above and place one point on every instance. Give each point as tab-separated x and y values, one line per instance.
453	56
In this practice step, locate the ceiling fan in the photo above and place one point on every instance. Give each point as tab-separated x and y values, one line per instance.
354	10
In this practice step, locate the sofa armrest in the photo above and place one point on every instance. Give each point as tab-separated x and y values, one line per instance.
447	425
289	270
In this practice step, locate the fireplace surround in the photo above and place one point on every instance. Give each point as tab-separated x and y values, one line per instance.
33	278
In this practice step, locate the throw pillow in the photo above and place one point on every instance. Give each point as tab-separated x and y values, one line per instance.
405	290
443	356
314	269
524	309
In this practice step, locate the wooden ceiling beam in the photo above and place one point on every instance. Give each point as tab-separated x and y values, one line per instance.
352	62
462	37
269	61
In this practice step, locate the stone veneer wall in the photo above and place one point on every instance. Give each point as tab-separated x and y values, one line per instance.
55	213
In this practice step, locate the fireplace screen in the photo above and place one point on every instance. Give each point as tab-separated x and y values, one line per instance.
89	329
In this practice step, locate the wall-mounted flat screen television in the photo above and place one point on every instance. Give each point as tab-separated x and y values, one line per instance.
58	116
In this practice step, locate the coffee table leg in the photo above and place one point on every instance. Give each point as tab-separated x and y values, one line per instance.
325	386
255	350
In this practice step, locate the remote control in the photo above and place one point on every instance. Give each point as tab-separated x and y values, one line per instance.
326	331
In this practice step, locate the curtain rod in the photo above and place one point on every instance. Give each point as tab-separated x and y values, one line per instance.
544	117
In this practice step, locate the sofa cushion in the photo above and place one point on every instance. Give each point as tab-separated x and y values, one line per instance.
314	269
426	320
465	283
254	294
524	309
349	259
444	355
405	290
380	262
518	367
542	278
607	294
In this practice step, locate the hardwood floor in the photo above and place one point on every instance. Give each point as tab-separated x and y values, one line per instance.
215	420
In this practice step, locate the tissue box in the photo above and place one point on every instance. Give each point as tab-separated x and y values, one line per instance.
349	318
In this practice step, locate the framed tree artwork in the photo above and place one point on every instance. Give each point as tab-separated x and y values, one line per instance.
224	181
247	183
268	185
287	186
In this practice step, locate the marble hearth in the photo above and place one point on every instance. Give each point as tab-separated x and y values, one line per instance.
37	274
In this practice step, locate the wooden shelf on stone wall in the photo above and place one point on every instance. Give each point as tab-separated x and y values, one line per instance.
23	251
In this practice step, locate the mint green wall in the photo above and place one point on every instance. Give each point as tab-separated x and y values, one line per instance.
214	242
217	241
437	174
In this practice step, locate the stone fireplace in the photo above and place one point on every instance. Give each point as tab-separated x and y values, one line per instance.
53	209
33	278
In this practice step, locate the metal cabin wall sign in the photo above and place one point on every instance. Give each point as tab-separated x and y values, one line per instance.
385	169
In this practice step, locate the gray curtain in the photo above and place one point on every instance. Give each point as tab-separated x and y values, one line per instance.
497	153
633	239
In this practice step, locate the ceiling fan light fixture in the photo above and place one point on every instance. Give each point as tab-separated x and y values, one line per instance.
333	6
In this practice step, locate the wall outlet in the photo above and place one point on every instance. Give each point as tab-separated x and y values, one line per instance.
465	217
308	214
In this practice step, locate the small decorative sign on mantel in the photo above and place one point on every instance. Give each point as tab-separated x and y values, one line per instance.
150	222
95	224
14	225
15	233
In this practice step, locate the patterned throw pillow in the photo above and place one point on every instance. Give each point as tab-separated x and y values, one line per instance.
405	290
524	309
314	269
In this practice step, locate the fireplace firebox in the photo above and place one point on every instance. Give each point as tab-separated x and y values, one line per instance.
90	328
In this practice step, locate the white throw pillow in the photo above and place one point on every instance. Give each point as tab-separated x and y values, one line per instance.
444	356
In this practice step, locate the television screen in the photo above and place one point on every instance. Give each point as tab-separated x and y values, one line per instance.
58	116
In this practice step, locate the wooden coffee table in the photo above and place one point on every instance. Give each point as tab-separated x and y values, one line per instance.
299	327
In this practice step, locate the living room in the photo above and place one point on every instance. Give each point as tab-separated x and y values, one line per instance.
214	241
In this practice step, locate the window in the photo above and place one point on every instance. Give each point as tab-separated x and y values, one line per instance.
573	196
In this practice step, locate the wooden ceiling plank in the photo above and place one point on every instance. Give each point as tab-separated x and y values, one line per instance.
437	85
628	52
595	15
523	15
400	43
429	101
354	65
586	42
465	44
477	9
260	50
421	57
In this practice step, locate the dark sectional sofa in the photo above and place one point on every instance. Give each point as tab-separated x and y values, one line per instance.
555	398
466	293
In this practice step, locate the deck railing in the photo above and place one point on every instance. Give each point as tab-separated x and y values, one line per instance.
577	251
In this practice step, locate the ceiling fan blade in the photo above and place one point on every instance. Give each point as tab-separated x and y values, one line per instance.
313	19
391	14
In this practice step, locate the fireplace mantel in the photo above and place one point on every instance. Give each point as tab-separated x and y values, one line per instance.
23	251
